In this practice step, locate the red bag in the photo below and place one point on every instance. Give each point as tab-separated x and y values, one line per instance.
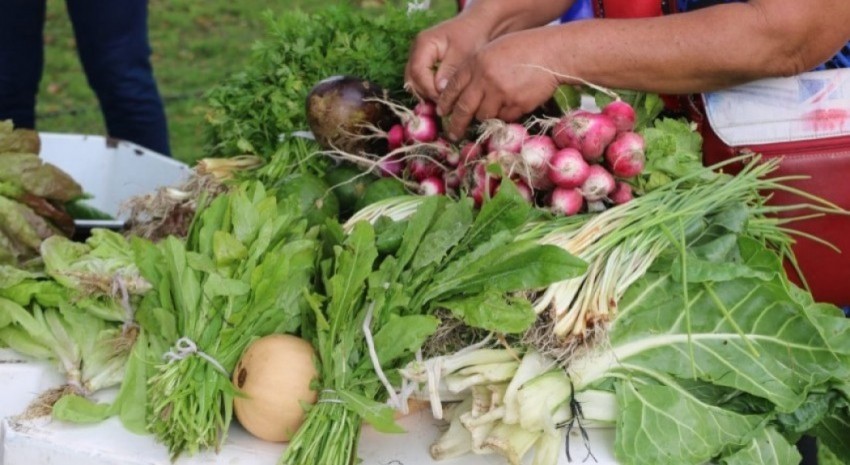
805	121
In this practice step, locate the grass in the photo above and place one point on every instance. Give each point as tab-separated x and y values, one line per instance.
195	46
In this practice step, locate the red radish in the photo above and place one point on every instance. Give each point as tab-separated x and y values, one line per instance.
432	186
566	202
420	129
625	156
588	132
421	168
455	178
447	152
622	114
508	138
484	190
470	151
535	156
598	185
565	131
478	195
425	108
568	169
480	174
622	193
390	167
395	137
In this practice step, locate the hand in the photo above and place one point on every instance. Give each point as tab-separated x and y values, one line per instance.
506	79
445	47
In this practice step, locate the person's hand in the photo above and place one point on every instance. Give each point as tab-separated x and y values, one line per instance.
439	51
506	79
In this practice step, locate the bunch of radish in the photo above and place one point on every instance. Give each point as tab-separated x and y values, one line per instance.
580	162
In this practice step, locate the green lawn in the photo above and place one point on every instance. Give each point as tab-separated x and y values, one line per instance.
195	46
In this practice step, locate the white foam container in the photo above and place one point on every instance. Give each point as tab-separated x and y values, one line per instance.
110	170
44	441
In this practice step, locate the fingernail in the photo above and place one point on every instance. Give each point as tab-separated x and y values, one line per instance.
440	112
453	137
441	86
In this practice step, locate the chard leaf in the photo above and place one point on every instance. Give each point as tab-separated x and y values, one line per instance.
768	448
832	433
376	414
493	311
663	424
816	407
746	334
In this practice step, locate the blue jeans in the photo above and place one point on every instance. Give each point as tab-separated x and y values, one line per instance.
112	42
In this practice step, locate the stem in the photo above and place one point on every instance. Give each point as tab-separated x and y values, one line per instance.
328	436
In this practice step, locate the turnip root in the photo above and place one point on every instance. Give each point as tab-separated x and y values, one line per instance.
568	169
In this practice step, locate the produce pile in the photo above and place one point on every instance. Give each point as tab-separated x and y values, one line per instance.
32	197
576	269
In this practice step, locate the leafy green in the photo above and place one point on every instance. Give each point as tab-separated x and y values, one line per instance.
448	257
715	366
240	275
673	150
254	110
768	447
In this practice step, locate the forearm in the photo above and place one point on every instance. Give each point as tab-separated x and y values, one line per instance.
505	16
698	51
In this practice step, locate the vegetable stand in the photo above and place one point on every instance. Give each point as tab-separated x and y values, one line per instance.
46	441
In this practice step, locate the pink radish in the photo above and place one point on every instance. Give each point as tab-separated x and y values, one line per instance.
422	168
588	132
568	169
508	138
432	186
598	185
390	167
478	195
622	114
395	137
535	156
625	156
622	193
447	152
420	129
455	178
425	108
566	202
482	177
470	151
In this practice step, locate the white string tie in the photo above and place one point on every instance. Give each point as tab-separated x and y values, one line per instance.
185	348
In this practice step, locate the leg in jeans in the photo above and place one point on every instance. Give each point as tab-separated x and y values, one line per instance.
112	38
21	59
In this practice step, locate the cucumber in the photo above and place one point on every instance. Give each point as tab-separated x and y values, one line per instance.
349	184
381	189
314	195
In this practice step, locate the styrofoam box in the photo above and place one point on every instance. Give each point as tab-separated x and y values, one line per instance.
110	170
43	441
